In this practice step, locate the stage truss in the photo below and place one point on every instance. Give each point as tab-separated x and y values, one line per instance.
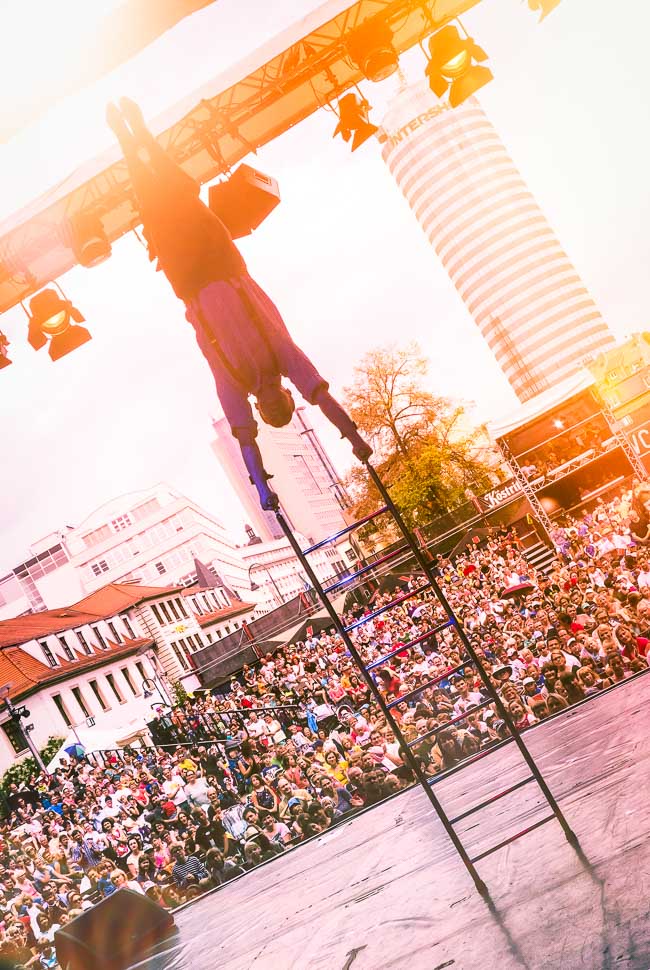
285	82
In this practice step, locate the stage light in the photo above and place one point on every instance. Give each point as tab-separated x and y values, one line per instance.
4	354
544	6
353	118
451	65
89	241
50	317
558	424
371	48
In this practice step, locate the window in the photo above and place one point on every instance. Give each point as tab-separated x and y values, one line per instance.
181	608
127	626
172	607
147	508
100	567
79	697
111	627
197	605
60	706
165	612
157	614
111	683
129	680
66	648
94	686
97	536
121	522
180	655
15	736
139	666
84	643
47	653
100	639
160	567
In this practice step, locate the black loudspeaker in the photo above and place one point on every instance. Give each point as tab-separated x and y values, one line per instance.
244	201
113	934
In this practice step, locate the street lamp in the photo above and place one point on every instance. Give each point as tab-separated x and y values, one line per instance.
150	685
16	714
254	586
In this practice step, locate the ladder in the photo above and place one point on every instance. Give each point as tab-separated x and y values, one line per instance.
408	749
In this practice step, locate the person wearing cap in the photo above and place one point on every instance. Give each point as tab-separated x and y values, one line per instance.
286	792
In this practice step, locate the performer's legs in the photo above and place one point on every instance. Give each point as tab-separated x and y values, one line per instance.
255	467
341	420
301	372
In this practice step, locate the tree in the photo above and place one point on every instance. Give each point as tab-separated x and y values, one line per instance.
424	449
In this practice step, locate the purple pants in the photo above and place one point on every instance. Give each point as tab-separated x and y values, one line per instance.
246	343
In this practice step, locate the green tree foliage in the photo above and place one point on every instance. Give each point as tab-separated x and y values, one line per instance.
21	771
423	447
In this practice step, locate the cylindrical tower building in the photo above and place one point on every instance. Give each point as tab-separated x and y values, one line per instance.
493	239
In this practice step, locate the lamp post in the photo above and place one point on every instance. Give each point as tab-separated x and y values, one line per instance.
16	714
257	565
154	683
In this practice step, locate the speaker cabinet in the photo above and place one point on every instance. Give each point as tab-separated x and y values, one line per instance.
112	935
244	201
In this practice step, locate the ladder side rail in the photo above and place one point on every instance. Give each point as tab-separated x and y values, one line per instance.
410	759
492	692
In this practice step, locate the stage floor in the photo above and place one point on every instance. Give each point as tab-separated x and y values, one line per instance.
387	888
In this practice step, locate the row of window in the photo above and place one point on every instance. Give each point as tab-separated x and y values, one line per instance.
15	735
64	640
121	522
140	543
173	610
105	698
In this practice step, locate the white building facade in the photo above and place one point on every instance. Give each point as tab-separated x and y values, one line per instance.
312	496
504	259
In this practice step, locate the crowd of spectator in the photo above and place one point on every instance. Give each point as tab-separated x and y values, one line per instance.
298	742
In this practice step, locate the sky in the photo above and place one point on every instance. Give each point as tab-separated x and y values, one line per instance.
342	256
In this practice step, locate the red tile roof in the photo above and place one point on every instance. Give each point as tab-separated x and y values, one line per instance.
105	602
235	608
115	597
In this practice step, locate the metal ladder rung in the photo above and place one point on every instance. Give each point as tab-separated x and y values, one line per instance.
366	569
489	801
483	753
513	838
388	606
414	643
441	727
344	532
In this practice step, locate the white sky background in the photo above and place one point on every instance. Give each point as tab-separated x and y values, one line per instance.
342	255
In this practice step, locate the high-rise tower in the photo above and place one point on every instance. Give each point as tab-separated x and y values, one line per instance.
309	487
493	239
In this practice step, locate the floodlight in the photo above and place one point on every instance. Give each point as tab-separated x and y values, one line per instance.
50	317
451	65
544	7
353	118
89	240
371	48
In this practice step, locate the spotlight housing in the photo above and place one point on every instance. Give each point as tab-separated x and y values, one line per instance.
4	354
50	317
353	118
371	48
451	65
544	6
89	240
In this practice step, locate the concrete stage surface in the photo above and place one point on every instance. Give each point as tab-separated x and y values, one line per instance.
387	888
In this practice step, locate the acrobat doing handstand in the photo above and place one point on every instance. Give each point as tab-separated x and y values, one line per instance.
239	330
